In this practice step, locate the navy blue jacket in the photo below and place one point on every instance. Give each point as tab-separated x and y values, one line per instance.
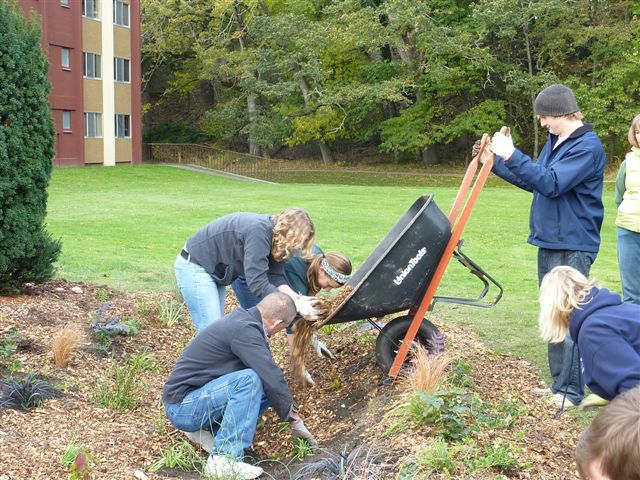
607	332
566	211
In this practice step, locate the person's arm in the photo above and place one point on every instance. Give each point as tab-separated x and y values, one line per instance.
559	177
612	362
252	349
621	180
262	275
501	170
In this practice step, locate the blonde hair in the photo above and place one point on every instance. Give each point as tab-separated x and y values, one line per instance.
614	439
339	262
575	116
632	131
562	290
292	230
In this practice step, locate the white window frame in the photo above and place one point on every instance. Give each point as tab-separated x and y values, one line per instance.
121	70
123	125
91	9
66	120
65	58
92	125
64	3
121	15
92	65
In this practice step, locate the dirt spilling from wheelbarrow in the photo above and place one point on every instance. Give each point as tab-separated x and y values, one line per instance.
347	410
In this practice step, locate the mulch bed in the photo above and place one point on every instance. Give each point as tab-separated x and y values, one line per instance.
344	410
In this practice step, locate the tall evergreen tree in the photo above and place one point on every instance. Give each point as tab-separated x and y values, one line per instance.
27	251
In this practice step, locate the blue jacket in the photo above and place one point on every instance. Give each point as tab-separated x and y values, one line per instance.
607	332
566	211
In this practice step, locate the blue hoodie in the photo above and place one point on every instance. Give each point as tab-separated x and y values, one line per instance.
607	332
566	210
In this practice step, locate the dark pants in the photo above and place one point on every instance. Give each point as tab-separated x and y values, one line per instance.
564	359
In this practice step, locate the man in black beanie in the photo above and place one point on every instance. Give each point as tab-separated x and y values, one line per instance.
566	210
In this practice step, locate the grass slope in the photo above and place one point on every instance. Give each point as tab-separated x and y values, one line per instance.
123	227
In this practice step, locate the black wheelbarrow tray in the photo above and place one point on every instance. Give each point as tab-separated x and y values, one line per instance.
404	270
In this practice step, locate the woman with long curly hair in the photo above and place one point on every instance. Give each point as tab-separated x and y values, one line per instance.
249	245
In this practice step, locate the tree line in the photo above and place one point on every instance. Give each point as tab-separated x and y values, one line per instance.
413	78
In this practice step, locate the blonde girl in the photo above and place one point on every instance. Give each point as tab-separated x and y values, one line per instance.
249	245
605	330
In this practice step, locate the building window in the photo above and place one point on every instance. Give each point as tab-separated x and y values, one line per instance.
92	65
92	125
66	120
64	58
123	126
121	70
120	13
90	8
64	3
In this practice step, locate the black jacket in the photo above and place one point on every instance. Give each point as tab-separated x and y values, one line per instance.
235	342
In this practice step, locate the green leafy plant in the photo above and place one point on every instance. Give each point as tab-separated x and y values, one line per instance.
171	312
499	456
460	375
182	456
438	456
9	342
102	295
121	388
143	362
78	460
302	449
27	393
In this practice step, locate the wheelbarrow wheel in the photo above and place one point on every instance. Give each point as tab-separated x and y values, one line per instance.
392	334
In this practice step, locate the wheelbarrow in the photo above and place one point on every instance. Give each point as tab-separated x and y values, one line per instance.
405	269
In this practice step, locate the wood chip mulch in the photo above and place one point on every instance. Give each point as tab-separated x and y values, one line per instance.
345	409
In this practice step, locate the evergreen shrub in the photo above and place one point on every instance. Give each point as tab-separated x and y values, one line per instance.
27	251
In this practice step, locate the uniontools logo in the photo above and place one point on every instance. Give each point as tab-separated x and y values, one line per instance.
412	263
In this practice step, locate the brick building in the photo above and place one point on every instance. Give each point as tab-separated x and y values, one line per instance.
93	47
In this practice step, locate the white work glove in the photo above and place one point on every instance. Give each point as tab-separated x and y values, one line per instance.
298	430
308	307
307	378
502	145
320	348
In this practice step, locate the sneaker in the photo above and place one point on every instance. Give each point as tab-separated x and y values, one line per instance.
542	391
593	400
221	466
558	399
204	438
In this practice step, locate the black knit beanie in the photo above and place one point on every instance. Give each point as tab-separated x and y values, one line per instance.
555	101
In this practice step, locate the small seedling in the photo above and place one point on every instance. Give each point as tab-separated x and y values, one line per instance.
78	460
182	456
171	313
121	390
302	449
27	393
102	295
143	362
9	342
336	385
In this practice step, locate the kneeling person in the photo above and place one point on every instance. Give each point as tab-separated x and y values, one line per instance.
226	378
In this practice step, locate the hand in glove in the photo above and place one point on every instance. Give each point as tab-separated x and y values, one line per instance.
309	308
502	143
320	348
307	378
298	430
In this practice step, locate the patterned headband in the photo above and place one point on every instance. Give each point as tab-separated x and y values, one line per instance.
341	278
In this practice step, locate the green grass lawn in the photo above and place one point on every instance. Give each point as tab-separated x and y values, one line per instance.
124	226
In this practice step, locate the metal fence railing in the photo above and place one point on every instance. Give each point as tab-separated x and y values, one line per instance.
213	158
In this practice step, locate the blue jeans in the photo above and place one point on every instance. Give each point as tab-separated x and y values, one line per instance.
246	299
564	360
203	296
628	262
228	407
